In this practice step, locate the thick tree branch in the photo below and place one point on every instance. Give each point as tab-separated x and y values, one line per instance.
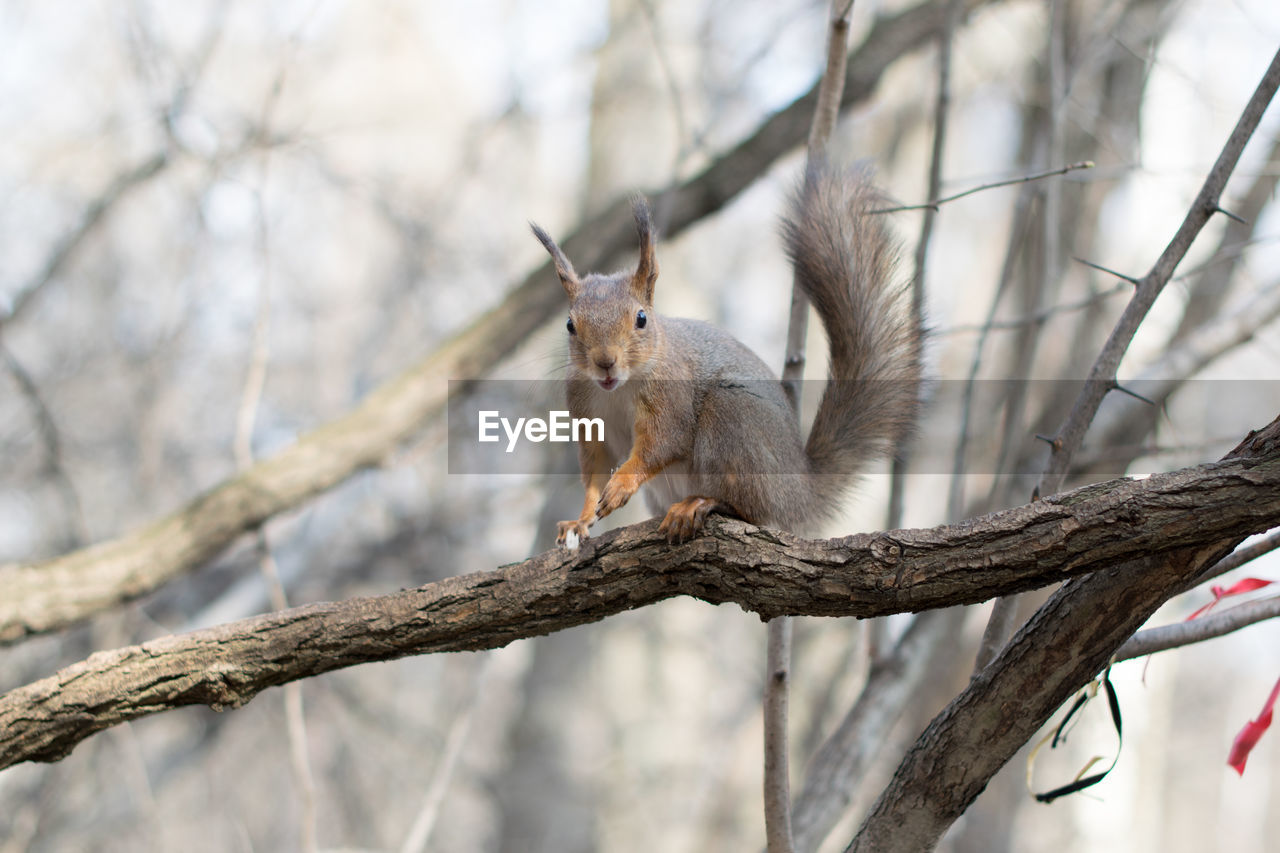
1065	644
831	781
1126	528
50	595
1237	558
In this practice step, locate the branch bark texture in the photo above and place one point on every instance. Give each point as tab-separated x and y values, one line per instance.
1065	644
1128	531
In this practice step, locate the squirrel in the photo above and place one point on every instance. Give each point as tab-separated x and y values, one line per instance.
701	419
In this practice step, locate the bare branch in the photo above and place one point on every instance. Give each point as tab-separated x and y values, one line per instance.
420	833
1065	644
1037	318
1163	377
1038	176
1103	374
1017	235
1100	268
1238	558
831	781
1004	612
1125	528
1208	627
941	106
246	417
51	438
1213	285
93	214
777	764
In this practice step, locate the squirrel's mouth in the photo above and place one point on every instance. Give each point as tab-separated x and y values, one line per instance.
608	383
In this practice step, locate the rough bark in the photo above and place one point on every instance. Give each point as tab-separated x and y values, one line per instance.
1130	531
1064	645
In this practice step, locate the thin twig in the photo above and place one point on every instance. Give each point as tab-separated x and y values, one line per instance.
936	203
1213	285
93	215
1017	236
51	438
246	417
1103	374
1107	270
1004	611
777	773
1036	319
941	108
1209	627
420	833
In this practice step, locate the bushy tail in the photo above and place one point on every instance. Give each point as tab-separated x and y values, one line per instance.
844	259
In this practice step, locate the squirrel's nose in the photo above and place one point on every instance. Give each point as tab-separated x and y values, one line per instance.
606	362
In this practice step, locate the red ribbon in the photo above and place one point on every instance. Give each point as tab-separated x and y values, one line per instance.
1249	735
1240	587
1254	729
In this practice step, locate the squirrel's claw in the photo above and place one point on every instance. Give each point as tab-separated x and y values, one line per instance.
685	519
571	533
617	492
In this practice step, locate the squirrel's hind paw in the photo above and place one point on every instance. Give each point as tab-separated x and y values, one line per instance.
685	519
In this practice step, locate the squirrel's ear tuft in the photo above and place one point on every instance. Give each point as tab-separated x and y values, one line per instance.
646	275
564	269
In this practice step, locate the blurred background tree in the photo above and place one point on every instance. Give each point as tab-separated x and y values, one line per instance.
226	223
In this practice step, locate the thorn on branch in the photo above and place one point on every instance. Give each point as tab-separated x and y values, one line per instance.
1107	270
1233	217
1134	394
1052	442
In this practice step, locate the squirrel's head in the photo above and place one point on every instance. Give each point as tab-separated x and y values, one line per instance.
611	332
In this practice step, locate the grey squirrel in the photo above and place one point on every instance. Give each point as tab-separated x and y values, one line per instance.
697	416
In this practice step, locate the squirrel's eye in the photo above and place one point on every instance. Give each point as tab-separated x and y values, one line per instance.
569	325
641	319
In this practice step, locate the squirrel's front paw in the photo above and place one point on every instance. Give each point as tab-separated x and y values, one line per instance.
571	533
617	492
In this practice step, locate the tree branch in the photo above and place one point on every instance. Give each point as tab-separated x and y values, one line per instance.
94	213
839	765
1065	644
1124	528
777	761
52	594
1102	376
1238	558
1209	627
